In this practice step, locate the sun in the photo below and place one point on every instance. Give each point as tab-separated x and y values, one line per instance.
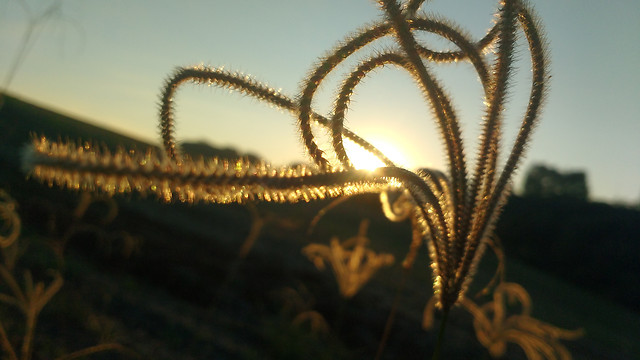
363	160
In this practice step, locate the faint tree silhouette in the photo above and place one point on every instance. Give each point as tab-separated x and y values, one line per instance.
543	181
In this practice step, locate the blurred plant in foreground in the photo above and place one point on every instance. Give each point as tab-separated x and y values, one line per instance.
126	243
11	224
454	213
351	261
495	328
298	304
33	296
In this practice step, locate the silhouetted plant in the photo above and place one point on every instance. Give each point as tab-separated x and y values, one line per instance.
35	23
543	181
31	298
10	229
298	304
259	219
108	240
454	213
91	216
353	264
495	328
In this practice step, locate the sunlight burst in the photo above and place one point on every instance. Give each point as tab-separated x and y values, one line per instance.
363	160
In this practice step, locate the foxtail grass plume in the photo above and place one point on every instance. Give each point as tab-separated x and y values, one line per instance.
454	212
495	327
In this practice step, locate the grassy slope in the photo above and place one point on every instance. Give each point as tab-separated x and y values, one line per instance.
179	298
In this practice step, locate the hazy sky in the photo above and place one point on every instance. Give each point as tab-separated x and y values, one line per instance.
106	61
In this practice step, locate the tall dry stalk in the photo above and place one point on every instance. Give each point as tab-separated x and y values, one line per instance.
454	212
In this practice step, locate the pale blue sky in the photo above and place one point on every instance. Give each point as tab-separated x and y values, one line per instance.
105	62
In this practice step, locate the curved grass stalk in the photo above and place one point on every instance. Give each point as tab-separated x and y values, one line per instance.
454	213
11	224
487	211
495	328
244	84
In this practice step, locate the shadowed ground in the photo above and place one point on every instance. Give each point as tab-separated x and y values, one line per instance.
184	294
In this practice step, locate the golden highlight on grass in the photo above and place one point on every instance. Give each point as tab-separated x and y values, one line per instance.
453	212
88	168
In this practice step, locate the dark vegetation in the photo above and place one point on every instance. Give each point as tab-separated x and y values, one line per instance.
543	181
185	294
593	245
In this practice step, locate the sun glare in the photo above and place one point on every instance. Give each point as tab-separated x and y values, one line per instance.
363	160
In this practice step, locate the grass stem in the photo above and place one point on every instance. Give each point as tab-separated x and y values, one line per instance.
436	352
391	317
340	315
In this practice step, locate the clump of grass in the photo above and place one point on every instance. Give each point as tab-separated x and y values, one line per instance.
454	213
31	297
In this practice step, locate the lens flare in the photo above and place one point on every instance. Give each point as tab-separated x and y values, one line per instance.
363	160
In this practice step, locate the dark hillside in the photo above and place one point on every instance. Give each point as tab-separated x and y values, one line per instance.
21	120
181	290
594	245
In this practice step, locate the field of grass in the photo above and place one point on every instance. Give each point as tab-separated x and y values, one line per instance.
180	291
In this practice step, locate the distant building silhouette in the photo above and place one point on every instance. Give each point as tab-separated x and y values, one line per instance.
543	181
